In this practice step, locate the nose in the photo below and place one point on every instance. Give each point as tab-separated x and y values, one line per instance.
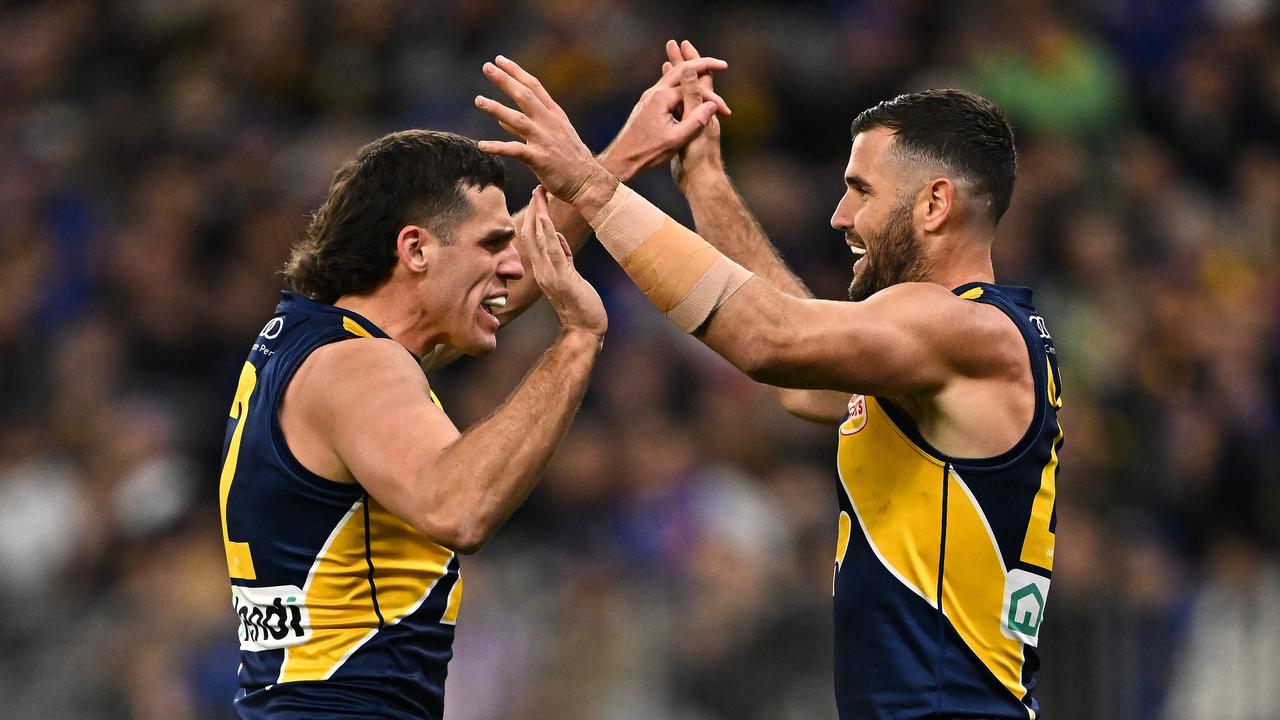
842	218
509	265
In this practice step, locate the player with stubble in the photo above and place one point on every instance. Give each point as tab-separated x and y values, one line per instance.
943	385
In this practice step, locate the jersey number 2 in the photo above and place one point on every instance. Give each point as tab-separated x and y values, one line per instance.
239	560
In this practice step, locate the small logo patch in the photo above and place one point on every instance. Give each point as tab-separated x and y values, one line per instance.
857	418
271	617
1024	598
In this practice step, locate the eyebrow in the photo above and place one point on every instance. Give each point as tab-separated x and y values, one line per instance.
856	181
499	235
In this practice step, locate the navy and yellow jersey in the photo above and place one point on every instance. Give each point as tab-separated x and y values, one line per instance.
345	610
943	564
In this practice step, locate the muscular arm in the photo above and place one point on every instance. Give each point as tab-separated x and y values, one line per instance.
722	219
369	402
365	412
648	139
912	339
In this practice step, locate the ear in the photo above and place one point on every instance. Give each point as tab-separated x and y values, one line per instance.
938	203
412	245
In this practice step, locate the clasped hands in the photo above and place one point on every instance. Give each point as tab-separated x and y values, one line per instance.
670	117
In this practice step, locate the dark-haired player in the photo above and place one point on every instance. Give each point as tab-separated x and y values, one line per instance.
946	383
346	492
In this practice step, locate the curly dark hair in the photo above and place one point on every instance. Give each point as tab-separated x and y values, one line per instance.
966	133
405	178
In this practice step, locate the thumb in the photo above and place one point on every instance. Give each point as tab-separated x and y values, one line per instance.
701	114
693	122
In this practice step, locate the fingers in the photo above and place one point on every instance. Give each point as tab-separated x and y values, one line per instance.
690	92
553	248
550	241
526	78
687	51
538	205
513	121
525	98
701	115
674	54
507	148
537	239
701	65
692	123
674	77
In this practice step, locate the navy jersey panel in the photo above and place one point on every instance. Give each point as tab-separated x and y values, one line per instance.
343	607
944	564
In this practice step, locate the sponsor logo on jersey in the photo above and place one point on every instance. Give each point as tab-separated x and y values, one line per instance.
271	617
1023	612
857	418
272	329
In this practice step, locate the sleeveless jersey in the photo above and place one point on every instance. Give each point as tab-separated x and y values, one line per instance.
345	610
943	564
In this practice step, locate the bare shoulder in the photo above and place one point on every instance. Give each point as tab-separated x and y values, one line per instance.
358	371
976	339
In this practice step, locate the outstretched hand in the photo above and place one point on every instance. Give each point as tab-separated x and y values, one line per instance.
657	126
547	254
551	147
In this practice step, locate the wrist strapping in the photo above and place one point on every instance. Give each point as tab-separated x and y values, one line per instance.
681	274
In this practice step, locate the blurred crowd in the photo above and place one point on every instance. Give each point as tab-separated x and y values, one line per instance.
158	157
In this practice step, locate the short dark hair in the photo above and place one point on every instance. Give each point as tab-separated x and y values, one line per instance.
962	131
408	177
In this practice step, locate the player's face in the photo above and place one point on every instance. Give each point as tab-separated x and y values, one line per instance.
875	216
473	270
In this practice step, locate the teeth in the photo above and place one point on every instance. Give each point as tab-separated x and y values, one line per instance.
857	250
495	302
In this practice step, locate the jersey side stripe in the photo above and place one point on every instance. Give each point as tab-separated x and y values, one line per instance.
407	563
974	588
339	602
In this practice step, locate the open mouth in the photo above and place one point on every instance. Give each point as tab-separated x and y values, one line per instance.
489	305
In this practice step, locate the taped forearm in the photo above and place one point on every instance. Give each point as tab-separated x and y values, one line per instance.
681	274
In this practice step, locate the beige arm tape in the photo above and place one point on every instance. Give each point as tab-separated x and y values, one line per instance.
680	273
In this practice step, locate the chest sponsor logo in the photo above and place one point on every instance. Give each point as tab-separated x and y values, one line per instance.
857	418
1024	597
271	617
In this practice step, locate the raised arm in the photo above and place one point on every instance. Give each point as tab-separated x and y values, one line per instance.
371	409
721	217
650	137
913	338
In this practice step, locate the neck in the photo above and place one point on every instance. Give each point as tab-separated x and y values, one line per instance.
960	260
393	310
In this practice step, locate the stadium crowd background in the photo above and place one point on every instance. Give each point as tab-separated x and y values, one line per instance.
157	159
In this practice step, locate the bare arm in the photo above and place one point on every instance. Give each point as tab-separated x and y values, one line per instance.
649	139
371	406
722	219
376	410
910	339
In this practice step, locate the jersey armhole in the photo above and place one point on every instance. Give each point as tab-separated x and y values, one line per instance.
1038	383
280	445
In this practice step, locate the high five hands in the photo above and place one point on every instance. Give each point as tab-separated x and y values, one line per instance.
552	148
